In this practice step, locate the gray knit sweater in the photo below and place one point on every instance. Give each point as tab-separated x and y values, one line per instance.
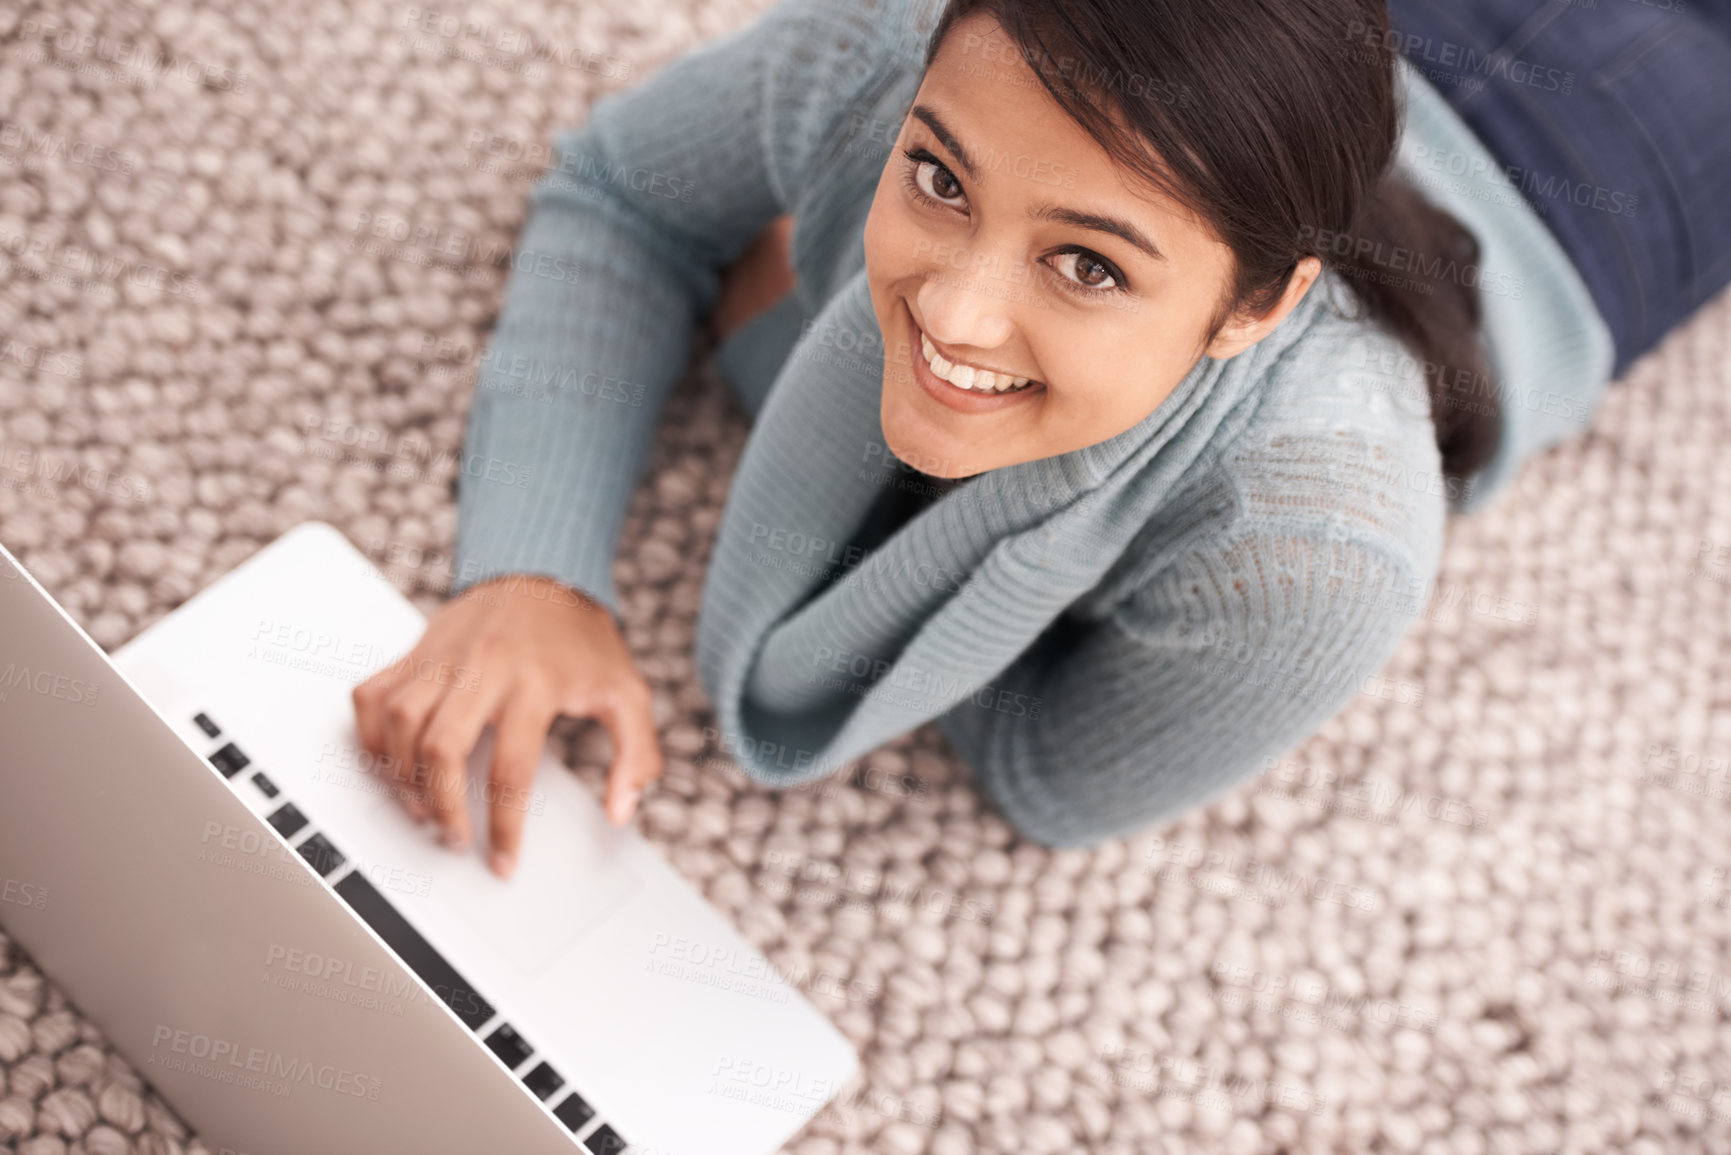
1108	637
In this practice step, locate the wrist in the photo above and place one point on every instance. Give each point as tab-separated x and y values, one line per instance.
541	588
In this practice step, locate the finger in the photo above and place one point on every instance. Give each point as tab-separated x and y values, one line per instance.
407	712
629	717
401	786
369	698
520	736
445	745
372	716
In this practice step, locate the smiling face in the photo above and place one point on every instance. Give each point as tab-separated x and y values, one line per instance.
1006	237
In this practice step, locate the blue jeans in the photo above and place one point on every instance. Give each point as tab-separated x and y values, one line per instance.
1613	118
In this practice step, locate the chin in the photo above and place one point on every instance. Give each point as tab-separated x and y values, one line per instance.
934	456
906	445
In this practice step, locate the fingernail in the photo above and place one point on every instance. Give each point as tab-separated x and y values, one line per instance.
454	839
626	804
504	864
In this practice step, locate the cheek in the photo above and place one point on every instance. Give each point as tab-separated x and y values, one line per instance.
1117	382
881	264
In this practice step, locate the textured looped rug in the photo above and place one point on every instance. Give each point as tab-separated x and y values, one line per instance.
249	255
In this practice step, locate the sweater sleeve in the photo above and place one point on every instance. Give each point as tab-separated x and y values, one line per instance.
617	263
1227	658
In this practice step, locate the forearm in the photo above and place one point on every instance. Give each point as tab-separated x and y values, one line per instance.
591	341
1185	693
619	260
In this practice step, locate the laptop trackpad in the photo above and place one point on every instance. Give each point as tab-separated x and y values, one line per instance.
573	870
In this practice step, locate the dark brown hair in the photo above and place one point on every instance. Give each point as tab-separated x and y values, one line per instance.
1276	121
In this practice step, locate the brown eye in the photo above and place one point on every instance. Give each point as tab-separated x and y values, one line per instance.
945	185
936	181
1091	272
926	178
1089	262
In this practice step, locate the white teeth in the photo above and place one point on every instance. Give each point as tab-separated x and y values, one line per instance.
966	376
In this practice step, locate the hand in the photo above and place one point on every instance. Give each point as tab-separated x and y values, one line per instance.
516	651
761	276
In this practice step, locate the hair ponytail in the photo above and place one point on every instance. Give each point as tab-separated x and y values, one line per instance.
1415	269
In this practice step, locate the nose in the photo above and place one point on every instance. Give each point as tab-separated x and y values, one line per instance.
965	309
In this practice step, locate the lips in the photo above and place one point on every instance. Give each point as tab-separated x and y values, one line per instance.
970	377
954	396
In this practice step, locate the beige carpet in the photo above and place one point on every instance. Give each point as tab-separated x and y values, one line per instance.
1483	910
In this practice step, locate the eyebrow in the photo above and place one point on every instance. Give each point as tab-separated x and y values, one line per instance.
1047	211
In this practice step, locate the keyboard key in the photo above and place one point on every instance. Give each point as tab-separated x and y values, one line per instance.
509	1046
265	785
416	952
211	729
288	820
321	855
543	1080
573	1111
604	1140
230	760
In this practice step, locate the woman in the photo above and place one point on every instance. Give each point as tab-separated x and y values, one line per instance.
1110	390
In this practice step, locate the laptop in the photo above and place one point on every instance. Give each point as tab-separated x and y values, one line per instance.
217	878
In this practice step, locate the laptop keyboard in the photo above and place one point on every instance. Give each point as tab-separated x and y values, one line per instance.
229	760
573	1111
604	1140
287	820
544	1081
509	1046
321	855
416	953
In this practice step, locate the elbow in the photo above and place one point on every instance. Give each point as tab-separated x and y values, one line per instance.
1015	792
1064	806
